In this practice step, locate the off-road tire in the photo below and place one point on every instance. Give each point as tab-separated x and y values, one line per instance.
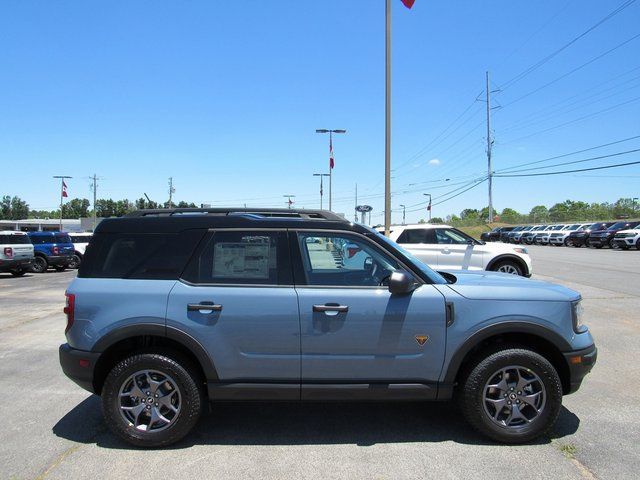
187	381
470	395
39	265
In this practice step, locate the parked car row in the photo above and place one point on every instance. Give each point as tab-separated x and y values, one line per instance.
623	234
22	252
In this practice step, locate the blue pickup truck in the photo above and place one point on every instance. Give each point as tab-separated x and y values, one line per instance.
51	249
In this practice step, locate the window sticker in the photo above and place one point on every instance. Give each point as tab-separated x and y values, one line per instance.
241	260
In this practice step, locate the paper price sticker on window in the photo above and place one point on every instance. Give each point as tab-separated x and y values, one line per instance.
241	260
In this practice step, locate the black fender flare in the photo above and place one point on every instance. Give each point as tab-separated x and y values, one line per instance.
507	256
501	328
160	330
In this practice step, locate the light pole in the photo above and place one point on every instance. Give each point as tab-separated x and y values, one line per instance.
429	206
321	175
404	214
63	193
331	163
289	201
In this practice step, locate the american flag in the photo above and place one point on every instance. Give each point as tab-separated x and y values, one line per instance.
64	189
331	162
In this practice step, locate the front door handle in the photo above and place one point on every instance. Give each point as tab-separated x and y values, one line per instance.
331	308
197	307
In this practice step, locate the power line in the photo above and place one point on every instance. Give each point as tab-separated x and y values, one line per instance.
571	171
584	117
567	154
573	70
617	154
556	52
454	196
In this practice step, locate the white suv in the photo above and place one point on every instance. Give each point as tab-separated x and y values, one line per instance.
443	247
627	238
16	252
560	237
80	242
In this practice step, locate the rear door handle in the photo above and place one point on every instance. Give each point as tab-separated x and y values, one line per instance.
331	308
197	307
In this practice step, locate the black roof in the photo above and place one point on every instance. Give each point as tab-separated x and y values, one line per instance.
178	219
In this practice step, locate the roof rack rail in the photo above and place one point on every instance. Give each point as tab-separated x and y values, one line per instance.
260	212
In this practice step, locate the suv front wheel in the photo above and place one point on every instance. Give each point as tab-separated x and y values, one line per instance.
151	400
508	266
512	396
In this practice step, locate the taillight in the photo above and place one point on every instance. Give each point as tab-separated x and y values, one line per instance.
8	252
55	250
69	310
351	251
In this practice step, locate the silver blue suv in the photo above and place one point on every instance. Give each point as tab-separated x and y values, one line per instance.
173	308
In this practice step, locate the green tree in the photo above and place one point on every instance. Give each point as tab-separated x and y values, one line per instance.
76	208
539	214
509	215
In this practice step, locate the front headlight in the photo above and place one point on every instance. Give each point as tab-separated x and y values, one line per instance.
577	312
521	250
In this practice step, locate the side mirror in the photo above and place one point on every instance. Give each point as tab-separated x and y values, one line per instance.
368	264
400	283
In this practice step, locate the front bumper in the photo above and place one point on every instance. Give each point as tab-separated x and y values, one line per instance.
625	242
556	240
78	365
13	264
599	241
580	363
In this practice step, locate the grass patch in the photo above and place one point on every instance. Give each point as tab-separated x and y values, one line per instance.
568	450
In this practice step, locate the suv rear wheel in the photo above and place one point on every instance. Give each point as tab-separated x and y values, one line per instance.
151	400
512	396
40	265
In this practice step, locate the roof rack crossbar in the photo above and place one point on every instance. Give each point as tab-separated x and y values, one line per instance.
263	212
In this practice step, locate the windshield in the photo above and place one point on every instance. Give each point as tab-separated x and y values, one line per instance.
618	225
434	276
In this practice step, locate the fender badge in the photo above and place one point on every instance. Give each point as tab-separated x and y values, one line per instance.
422	339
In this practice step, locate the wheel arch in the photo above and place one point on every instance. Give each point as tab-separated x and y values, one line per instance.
541	340
121	342
506	256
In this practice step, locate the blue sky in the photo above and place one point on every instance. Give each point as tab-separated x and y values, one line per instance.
226	96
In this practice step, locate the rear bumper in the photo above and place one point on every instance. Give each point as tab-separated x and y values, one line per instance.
8	265
78	365
59	260
580	364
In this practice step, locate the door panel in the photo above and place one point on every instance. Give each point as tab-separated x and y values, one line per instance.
255	335
352	329
375	340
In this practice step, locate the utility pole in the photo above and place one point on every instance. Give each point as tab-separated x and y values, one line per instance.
428	206
331	162
404	214
321	175
63	193
289	201
172	190
94	187
355	207
489	145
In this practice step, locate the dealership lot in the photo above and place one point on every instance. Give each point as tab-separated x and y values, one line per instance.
52	429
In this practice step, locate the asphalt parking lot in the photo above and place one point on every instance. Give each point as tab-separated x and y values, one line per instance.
50	428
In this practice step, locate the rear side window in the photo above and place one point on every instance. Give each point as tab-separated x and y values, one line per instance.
421	235
41	239
14	239
80	238
62	238
140	255
242	258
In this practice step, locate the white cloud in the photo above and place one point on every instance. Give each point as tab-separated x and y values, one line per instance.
434	162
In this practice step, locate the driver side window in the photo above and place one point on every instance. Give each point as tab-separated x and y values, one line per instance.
343	260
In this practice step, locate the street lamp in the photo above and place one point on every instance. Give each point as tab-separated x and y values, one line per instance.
404	214
321	175
330	132
429	206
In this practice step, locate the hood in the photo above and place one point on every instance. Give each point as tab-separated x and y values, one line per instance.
630	230
502	247
482	285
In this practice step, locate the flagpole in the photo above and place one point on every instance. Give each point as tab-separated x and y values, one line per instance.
61	177
387	133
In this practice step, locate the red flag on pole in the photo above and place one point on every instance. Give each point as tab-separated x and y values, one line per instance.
331	162
408	3
64	189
